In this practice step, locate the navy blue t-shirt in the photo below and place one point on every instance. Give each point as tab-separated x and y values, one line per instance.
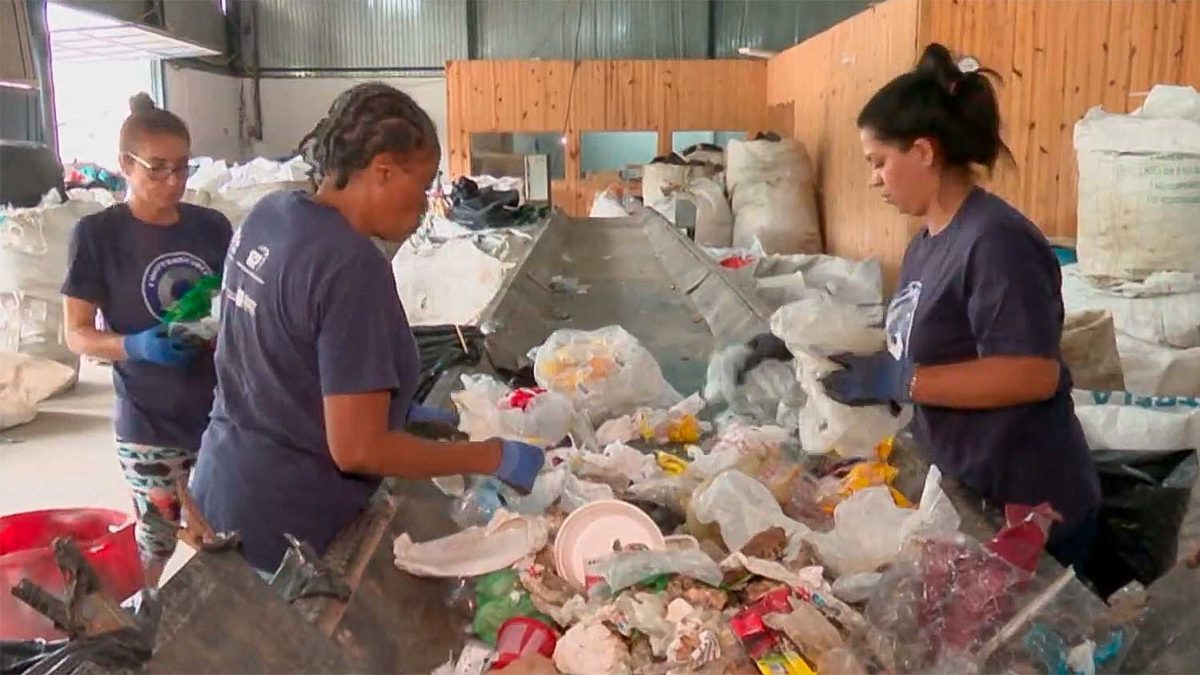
990	285
309	309
133	271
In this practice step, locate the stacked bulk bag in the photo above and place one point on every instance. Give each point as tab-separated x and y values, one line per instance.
1139	187
33	264
774	199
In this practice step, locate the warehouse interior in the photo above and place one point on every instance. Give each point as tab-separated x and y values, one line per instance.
719	336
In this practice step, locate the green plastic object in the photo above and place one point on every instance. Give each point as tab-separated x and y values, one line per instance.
499	597
196	304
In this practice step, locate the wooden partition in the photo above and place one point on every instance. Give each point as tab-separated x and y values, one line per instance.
1059	58
1056	59
574	97
818	87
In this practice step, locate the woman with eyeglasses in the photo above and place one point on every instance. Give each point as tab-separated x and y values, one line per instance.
130	262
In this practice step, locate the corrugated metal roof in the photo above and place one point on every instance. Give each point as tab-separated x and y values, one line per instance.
360	34
775	25
603	29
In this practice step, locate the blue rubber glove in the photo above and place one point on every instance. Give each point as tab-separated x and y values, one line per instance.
153	345
869	380
424	414
519	465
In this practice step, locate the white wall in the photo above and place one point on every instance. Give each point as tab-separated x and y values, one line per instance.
210	104
291	107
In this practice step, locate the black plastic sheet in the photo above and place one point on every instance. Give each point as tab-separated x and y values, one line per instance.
1144	497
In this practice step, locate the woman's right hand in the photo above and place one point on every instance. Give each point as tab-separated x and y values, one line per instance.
519	464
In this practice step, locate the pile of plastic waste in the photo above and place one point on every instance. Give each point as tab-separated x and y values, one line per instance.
658	541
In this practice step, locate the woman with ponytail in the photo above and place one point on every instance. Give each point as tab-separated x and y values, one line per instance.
974	330
129	263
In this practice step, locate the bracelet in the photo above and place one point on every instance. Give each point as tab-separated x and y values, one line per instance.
912	386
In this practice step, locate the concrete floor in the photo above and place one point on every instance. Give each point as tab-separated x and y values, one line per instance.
66	458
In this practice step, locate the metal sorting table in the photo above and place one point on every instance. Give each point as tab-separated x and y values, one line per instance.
640	273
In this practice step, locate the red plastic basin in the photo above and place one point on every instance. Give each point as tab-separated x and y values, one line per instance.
106	539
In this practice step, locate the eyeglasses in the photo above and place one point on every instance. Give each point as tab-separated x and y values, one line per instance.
161	171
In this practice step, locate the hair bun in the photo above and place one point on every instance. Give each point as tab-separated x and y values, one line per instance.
938	62
141	103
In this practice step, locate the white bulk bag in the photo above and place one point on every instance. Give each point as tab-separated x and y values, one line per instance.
451	283
659	181
1160	371
1139	187
1122	420
714	219
33	264
1163	310
774	200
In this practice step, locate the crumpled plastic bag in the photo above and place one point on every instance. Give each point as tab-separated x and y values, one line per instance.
813	329
834	490
870	530
620	460
475	550
856	587
743	507
737	445
677	424
941	600
489	409
626	568
769	392
590	648
605	372
807	628
557	486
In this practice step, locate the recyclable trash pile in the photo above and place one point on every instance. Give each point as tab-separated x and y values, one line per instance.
658	541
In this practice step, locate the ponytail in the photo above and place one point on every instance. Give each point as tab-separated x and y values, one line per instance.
937	100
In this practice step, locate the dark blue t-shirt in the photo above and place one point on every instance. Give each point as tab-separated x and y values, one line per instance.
990	285
309	309
133	271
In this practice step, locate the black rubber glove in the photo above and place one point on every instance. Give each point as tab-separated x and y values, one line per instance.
763	346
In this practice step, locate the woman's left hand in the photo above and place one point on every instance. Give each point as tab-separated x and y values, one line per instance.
875	379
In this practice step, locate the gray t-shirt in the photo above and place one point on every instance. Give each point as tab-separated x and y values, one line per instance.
133	271
309	309
990	285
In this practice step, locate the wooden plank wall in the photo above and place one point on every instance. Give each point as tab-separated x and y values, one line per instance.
572	97
1057	59
818	88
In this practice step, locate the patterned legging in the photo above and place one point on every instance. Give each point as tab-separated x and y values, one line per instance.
152	473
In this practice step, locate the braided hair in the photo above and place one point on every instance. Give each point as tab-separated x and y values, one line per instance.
364	121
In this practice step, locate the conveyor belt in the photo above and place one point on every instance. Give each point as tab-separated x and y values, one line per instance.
640	273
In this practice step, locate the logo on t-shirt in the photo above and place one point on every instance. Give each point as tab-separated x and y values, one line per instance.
168	277
898	325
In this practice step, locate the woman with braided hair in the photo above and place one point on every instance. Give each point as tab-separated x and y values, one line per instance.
316	363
